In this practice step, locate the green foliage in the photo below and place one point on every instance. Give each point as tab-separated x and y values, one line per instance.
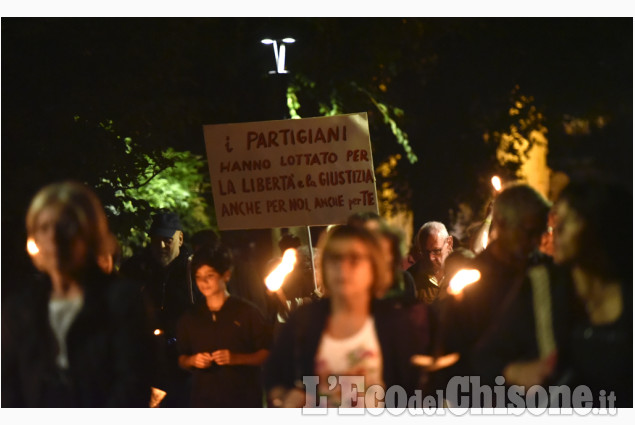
400	135
335	106
180	188
292	102
393	190
133	184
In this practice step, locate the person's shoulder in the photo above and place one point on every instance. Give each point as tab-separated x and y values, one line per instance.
22	302
387	306
139	262
244	307
408	279
414	269
315	311
184	256
178	266
241	303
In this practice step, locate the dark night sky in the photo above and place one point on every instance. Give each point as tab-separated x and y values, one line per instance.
451	76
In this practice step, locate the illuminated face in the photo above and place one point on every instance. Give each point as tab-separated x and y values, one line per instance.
165	250
210	282
348	271
63	253
567	234
435	251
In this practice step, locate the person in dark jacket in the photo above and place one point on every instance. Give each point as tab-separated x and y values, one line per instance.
467	318
75	336
348	333
162	270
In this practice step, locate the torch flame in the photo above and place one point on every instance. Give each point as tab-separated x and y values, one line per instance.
485	239
276	277
31	247
463	278
158	331
496	182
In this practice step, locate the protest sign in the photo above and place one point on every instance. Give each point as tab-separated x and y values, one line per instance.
305	172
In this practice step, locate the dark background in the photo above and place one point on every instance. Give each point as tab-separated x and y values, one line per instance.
161	79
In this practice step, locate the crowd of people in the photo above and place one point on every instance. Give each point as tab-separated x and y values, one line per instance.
174	327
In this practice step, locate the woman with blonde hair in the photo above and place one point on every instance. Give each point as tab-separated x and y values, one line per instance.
77	336
347	333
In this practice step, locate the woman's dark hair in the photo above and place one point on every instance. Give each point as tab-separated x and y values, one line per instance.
361	218
218	257
204	237
606	209
288	241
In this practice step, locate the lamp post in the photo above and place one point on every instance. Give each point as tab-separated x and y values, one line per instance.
279	53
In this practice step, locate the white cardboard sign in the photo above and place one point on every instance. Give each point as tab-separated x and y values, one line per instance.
302	172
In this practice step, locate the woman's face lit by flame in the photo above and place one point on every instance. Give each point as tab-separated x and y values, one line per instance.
60	248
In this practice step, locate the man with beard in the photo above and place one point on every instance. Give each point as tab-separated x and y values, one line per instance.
161	268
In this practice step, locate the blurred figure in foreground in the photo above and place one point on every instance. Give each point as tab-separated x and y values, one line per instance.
571	323
223	340
519	219
347	333
78	337
398	283
598	352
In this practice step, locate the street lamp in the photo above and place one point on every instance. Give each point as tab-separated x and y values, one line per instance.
279	53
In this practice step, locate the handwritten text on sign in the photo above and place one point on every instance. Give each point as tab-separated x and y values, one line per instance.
313	171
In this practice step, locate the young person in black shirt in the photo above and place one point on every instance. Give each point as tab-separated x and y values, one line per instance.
223	340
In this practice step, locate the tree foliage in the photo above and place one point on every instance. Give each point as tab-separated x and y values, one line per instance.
133	184
514	140
435	85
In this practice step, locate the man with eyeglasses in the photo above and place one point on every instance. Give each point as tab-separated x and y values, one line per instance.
434	244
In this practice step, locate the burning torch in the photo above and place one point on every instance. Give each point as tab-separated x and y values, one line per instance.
461	279
483	233
275	279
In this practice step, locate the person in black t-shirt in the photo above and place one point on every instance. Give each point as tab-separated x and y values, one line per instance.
223	339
